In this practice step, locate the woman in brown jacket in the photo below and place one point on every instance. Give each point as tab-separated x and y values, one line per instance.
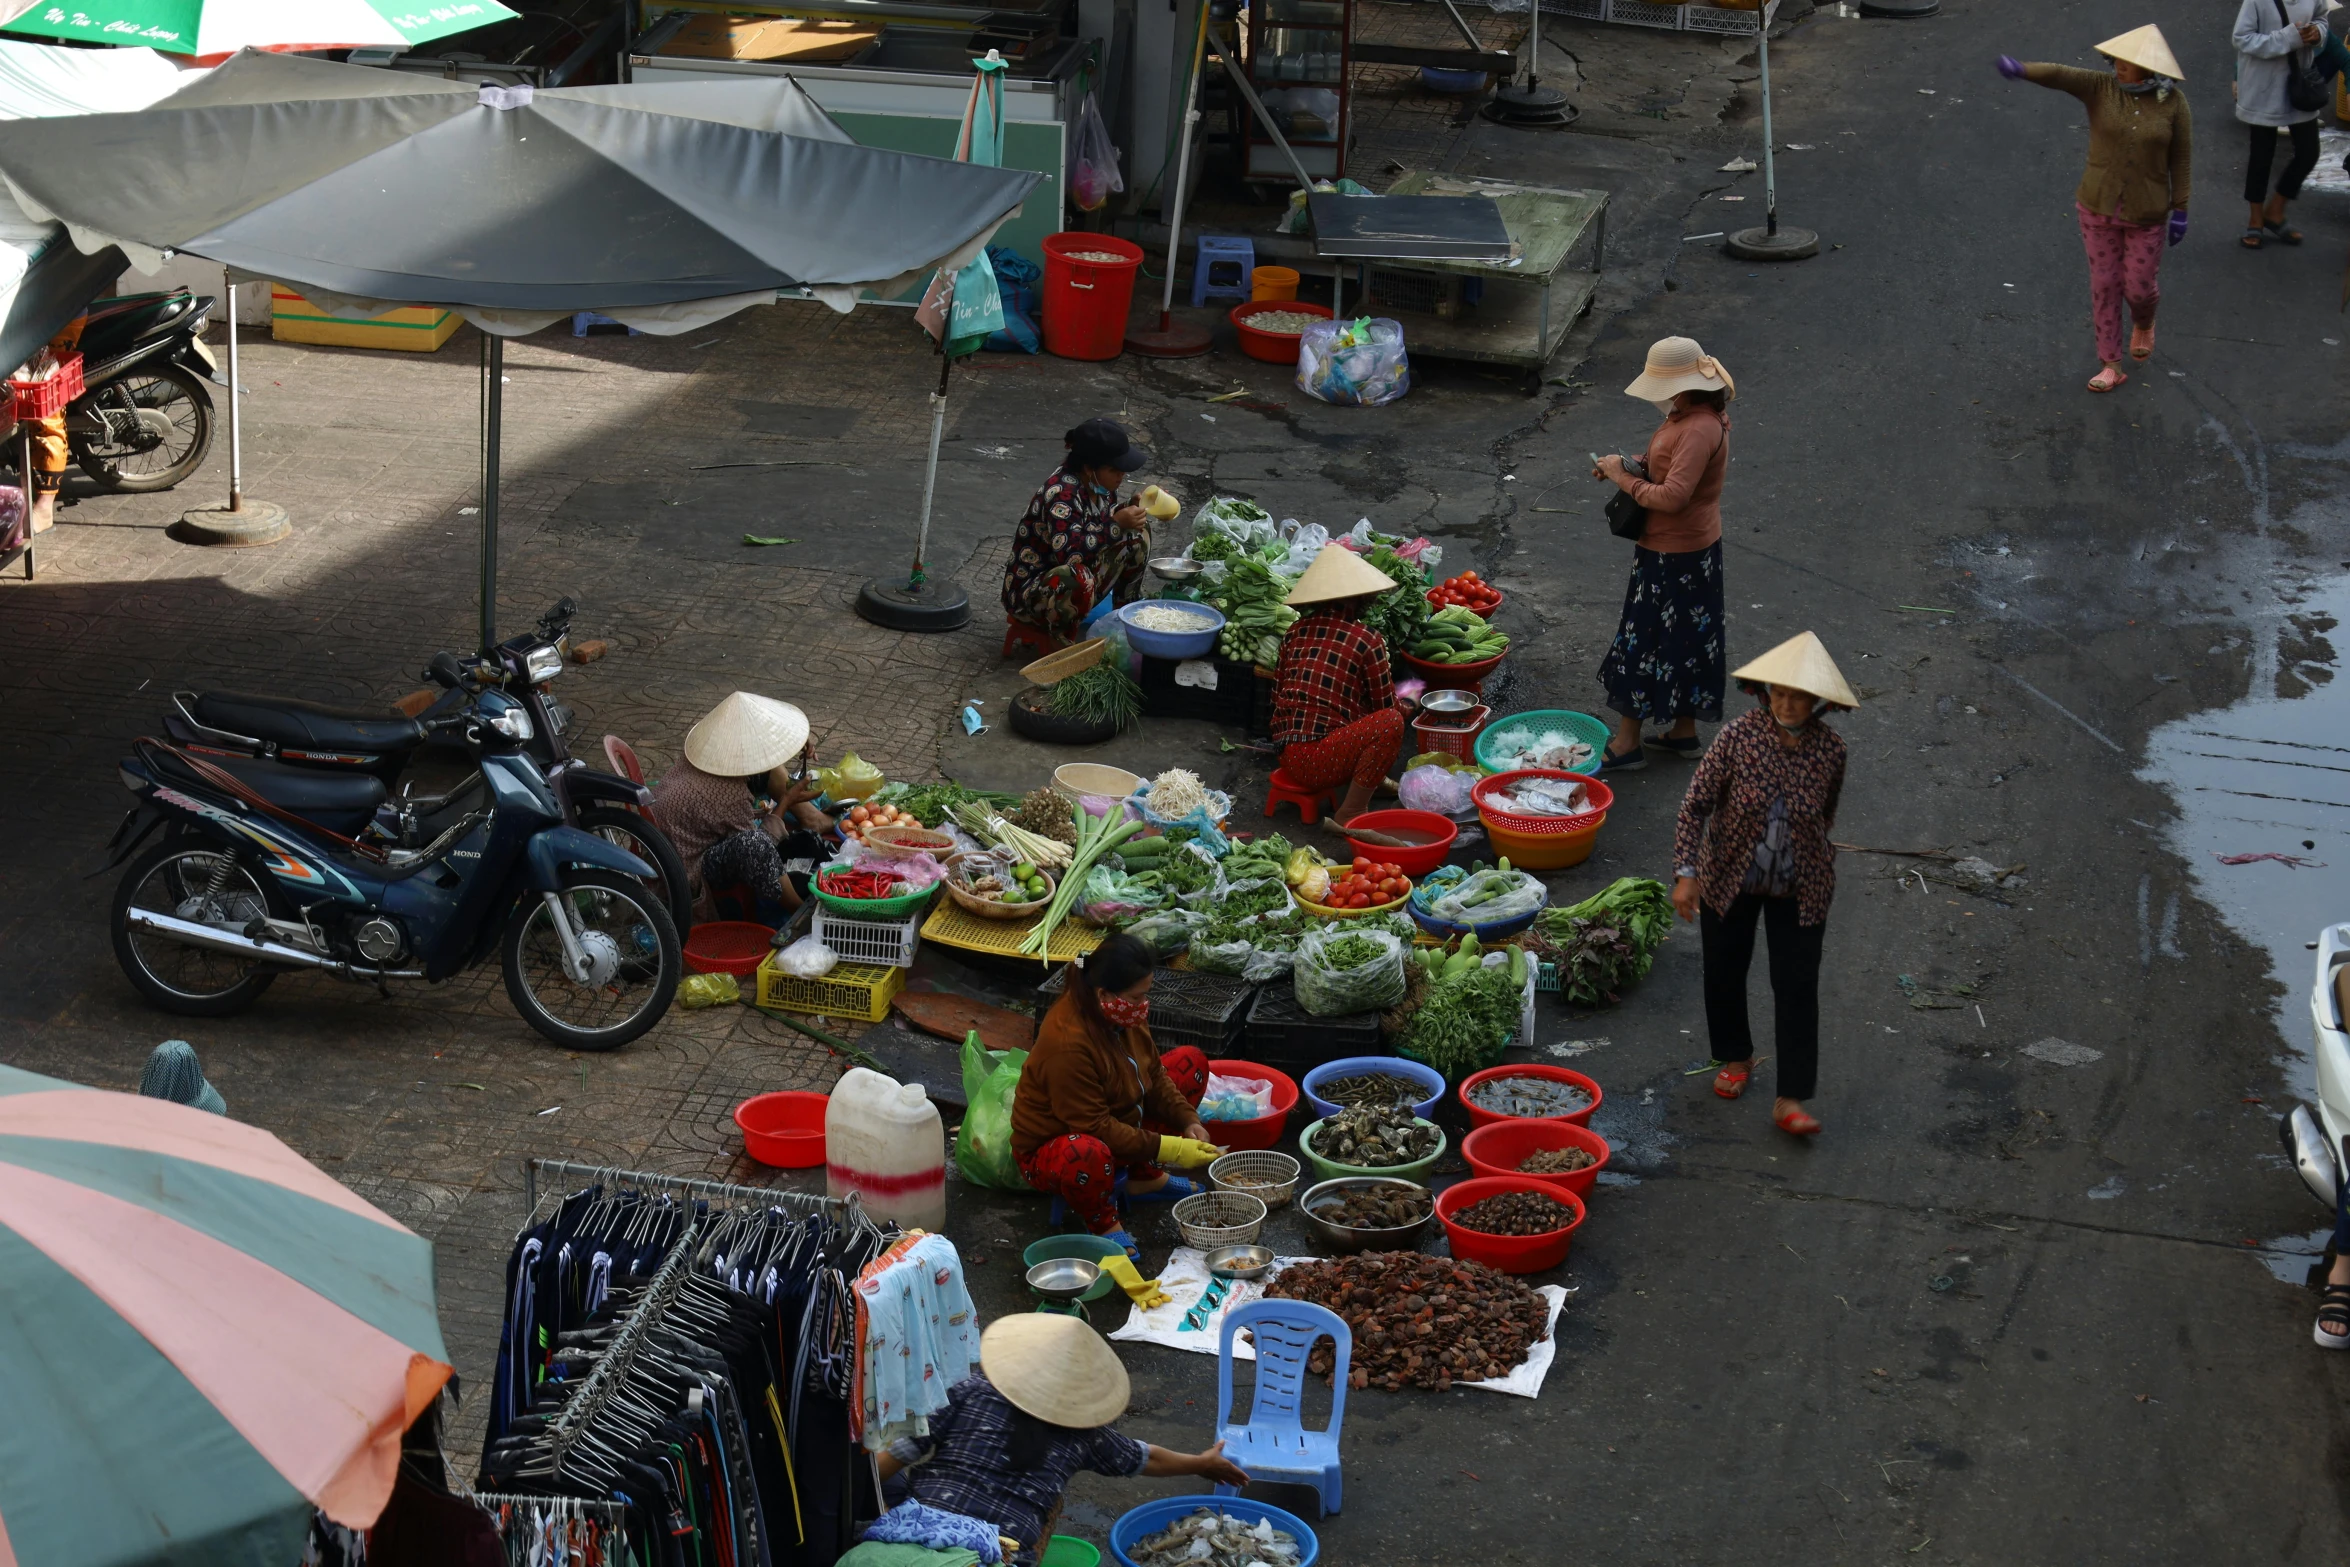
2134	194
1096	1097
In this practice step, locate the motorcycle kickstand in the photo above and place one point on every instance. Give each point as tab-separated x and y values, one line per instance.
574	956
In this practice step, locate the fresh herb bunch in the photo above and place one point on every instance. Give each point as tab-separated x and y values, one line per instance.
1180	870
930	803
1606	944
1102	694
1461	1023
1267	856
1401	614
1048	815
1352	952
1257	900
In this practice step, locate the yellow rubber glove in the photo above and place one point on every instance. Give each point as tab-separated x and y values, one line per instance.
1187	1153
1143	1292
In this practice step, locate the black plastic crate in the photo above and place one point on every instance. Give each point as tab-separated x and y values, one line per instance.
1187	1007
1232	702
1282	1034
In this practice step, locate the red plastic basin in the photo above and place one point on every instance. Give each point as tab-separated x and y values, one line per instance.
1509	1253
1499	1149
728	947
1274	348
1265	1130
1482	1117
1412	862
785	1130
1454	677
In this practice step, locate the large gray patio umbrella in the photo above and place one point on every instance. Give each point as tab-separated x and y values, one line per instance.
662	206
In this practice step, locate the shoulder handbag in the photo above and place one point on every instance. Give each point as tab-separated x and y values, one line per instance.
2306	88
1626	517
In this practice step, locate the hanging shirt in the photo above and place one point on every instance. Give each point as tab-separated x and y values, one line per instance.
918	1336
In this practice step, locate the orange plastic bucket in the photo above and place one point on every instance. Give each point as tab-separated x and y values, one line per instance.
1273	283
1086	302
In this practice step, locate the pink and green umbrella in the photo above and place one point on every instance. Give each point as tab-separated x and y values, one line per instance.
210	29
202	1336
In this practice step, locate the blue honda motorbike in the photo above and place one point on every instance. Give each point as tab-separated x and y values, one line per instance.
262	868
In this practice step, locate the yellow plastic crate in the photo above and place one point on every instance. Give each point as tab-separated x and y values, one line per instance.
416	329
858	991
952	925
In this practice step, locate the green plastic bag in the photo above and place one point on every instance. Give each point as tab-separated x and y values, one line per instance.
983	1148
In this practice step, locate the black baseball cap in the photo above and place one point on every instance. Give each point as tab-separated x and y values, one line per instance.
1104	443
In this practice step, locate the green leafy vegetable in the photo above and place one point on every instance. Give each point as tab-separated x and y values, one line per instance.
930	803
1607	943
1102	694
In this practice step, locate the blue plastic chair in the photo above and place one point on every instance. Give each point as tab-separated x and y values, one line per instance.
1275	1445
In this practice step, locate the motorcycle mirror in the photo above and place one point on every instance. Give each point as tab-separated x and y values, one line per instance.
444	670
560	615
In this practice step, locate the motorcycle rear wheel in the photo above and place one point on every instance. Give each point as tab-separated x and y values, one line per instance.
176	877
636	833
631	924
166	393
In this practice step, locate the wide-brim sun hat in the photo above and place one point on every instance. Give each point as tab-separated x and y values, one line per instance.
1339	573
2145	48
746	734
1801	663
1055	1368
1676	365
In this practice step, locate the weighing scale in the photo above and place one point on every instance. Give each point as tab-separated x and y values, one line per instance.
1060	1284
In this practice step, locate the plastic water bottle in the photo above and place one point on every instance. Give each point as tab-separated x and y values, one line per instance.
883	1140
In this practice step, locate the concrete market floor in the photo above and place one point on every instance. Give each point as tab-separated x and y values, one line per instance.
2002	1312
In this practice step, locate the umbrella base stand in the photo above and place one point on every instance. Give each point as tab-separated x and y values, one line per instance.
939	604
1760	244
1530	104
250	523
1900	10
1170	339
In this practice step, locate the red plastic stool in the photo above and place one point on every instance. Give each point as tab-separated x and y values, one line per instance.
1310	803
1034	641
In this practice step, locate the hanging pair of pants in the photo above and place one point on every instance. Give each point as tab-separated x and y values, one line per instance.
2264	152
1360	753
1079	1169
1795	986
2125	263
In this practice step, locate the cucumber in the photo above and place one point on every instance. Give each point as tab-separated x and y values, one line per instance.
1469	946
1518	967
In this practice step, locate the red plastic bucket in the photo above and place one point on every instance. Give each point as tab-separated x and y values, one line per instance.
1479	1116
728	947
1086	302
1265	1130
1509	1253
1499	1149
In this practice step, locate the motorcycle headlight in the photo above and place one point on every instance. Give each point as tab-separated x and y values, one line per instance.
513	723
545	662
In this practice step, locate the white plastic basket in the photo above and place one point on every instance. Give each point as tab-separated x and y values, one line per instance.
886	943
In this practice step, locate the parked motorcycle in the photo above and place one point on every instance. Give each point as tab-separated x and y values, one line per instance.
258	871
433	783
144	421
2318	1143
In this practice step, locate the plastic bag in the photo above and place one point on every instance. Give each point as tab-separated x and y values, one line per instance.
1358	364
1306	543
965	304
1204	819
1168	931
1350	981
1016	279
807	958
983	1145
1236	1099
1093	161
853	778
1242	958
918	870
1489	897
1437	789
1108	896
708	990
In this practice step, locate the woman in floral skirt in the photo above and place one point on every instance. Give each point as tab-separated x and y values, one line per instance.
1666	662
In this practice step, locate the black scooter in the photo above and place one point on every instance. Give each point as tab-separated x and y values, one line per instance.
144	421
432	782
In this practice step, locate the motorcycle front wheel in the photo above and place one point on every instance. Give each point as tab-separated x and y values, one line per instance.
632	951
196	881
156	428
636	833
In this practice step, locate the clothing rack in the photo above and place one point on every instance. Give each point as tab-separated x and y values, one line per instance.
610	1515
621	1352
611	1175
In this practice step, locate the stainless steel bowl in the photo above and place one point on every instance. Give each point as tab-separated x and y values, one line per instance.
1240	1262
1175	568
1448	701
1063	1278
1341	1238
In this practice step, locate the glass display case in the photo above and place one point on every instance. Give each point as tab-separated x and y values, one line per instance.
1299	52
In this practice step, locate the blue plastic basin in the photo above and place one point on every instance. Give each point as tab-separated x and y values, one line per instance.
1171	644
1153	1517
1357	1066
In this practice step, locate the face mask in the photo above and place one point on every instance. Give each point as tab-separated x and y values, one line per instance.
2151	84
1126	1011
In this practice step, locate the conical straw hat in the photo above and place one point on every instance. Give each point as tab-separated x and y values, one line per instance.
746	734
1802	664
2145	48
1339	573
1054	1367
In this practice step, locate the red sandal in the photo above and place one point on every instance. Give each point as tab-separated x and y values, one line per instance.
1797	1122
1730	1081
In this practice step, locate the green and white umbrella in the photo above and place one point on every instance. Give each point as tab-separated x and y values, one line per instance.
214	29
202	1336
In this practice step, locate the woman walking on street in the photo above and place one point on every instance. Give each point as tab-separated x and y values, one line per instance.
1665	664
1752	847
2275	41
2133	196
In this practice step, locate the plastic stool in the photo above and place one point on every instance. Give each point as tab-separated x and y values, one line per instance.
1021	637
1285	790
585	321
1220	250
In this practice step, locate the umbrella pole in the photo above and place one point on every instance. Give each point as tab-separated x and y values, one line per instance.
493	407
1770	242
1167	340
938	425
921	602
241	521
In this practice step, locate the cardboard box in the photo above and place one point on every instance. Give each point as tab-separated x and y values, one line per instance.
415	329
769	38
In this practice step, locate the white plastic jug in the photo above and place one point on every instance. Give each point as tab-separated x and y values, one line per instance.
883	1140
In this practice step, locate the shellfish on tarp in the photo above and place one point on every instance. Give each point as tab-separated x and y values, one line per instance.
1208	1538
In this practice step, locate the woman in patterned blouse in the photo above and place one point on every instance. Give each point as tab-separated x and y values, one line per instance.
1752	846
1079	544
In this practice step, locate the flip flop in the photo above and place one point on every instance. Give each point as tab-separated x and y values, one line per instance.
2141	342
1730	1081
1177	1188
1688	746
2282	232
1797	1123
1133	1246
2118	378
2253	239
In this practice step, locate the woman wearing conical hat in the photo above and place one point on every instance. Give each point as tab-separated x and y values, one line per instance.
2134	195
745	748
1335	716
1752	849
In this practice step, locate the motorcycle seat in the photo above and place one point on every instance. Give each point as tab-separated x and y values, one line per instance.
306	725
340	802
